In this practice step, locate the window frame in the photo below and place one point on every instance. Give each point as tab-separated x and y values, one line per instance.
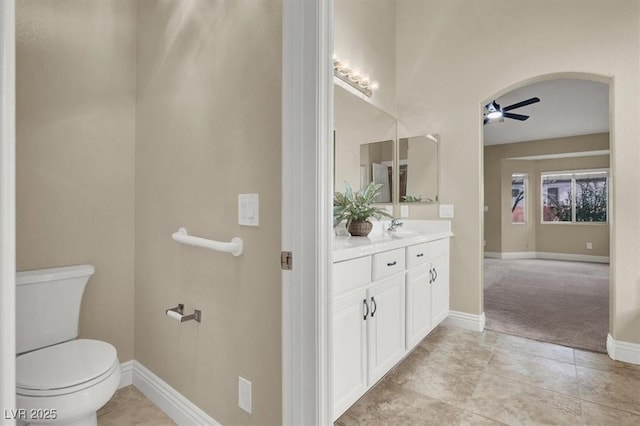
573	175
525	185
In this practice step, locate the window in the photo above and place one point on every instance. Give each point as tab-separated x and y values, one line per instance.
575	197
518	197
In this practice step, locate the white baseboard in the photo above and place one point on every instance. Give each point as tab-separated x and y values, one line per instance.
623	351
466	321
126	379
173	403
573	257
492	255
518	255
547	255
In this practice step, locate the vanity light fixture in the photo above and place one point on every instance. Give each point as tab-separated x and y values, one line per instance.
354	77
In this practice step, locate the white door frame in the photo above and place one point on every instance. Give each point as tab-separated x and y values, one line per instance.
307	194
7	210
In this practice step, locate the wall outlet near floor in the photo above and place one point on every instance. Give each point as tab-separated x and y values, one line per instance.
244	394
589	246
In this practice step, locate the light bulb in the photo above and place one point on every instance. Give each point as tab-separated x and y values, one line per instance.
375	85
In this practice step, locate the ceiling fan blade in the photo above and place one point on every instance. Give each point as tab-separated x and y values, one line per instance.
515	116
486	120
521	104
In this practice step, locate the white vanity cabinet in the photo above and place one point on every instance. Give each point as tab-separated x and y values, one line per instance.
427	288
349	349
385	326
368	323
386	298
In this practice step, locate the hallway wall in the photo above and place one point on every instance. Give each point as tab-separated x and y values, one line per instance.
449	66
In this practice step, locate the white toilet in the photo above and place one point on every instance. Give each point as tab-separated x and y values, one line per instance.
59	380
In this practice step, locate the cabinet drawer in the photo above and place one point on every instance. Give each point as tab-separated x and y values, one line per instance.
388	263
438	248
417	255
351	274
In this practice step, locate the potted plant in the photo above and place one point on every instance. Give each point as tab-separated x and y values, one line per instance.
356	208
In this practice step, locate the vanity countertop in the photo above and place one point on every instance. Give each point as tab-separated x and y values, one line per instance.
417	231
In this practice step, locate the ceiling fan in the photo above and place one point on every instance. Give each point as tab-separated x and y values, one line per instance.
493	110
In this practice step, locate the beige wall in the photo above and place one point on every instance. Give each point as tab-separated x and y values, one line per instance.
75	152
365	35
515	237
503	236
207	129
446	71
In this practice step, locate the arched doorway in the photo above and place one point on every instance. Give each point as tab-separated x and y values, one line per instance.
547	184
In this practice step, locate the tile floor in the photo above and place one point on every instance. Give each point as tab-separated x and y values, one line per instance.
459	377
130	407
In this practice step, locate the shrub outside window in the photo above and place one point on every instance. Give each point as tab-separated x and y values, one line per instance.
575	197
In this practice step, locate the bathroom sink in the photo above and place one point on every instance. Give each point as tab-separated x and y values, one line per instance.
402	233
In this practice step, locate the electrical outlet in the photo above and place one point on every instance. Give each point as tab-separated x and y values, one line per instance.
244	394
446	211
589	246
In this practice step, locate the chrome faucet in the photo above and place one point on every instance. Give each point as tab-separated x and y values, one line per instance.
395	223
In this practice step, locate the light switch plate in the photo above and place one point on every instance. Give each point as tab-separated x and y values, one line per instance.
446	211
248	209
404	211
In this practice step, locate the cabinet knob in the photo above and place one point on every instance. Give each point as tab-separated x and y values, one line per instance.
395	262
374	305
419	254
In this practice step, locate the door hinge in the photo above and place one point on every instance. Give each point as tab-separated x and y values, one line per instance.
286	260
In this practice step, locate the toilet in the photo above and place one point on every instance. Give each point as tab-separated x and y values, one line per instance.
59	379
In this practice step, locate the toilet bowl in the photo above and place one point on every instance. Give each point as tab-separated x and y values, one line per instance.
59	379
66	383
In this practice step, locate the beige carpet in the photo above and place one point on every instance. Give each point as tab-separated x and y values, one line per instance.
566	303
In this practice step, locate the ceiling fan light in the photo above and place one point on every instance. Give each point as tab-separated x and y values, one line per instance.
494	114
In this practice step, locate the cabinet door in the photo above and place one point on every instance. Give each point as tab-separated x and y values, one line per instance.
440	290
418	305
349	350
385	326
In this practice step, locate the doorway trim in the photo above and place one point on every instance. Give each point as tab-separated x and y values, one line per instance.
610	82
7	209
307	187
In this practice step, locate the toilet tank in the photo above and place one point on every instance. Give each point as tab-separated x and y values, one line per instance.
48	305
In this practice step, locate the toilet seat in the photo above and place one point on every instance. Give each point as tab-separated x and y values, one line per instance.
65	368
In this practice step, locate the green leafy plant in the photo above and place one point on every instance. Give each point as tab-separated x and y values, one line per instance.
357	206
412	198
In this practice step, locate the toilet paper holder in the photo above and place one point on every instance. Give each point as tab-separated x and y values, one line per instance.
177	313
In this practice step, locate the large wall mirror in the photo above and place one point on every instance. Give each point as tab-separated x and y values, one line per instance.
367	150
364	144
418	169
